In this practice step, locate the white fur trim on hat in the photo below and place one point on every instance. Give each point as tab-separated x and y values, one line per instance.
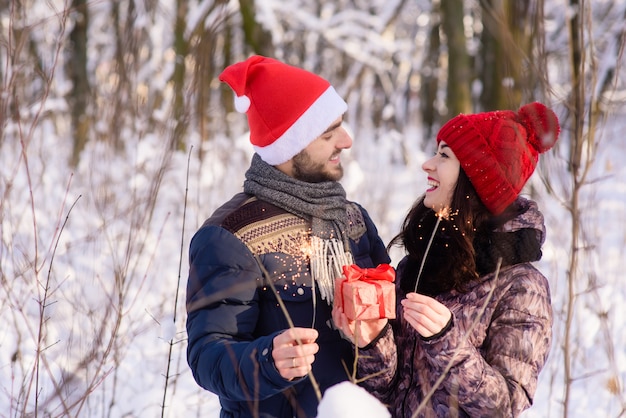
242	103
313	122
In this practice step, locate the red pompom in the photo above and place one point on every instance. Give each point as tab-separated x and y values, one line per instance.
542	125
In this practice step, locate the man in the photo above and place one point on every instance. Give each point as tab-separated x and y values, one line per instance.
278	245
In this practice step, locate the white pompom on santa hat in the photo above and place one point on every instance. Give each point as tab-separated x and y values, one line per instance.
287	107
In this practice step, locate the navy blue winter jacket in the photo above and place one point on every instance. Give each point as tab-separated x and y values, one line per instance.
233	315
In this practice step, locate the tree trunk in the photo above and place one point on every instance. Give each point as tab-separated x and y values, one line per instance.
577	110
77	73
430	75
259	39
181	47
208	58
507	67
458	96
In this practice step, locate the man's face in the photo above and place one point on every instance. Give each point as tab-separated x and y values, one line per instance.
320	161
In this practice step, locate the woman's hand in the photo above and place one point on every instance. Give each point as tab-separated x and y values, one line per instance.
293	359
428	316
366	330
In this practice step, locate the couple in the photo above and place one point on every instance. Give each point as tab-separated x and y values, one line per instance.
473	316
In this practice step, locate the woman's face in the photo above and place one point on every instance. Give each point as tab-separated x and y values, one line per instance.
443	172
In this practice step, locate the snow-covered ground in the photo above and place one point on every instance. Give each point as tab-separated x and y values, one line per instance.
113	230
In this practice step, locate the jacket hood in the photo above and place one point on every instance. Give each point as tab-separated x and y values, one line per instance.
519	240
530	218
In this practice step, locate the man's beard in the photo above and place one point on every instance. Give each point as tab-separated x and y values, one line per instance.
304	169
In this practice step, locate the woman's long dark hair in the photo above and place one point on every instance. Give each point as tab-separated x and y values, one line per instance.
452	259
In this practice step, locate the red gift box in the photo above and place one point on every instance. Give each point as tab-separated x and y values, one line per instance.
367	293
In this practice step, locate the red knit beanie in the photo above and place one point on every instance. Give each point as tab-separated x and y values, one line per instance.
287	107
499	150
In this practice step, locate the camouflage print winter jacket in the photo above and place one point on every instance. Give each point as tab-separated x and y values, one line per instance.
486	364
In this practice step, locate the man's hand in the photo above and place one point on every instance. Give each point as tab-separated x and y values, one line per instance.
293	360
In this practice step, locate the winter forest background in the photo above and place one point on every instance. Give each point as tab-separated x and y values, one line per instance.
117	141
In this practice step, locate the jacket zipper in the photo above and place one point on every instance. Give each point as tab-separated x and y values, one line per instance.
406	392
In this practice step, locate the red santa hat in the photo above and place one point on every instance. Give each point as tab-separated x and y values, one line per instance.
499	150
287	107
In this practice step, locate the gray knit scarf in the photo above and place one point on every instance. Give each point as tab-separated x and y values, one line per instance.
323	204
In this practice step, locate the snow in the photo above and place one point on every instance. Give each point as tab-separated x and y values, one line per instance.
346	400
100	250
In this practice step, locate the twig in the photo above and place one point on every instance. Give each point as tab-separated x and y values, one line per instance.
468	332
42	320
180	264
266	274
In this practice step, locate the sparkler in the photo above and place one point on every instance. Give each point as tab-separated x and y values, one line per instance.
443	213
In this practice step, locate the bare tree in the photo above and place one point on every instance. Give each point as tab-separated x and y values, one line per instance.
506	53
430	74
588	107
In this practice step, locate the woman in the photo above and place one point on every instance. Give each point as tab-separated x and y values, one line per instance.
474	318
